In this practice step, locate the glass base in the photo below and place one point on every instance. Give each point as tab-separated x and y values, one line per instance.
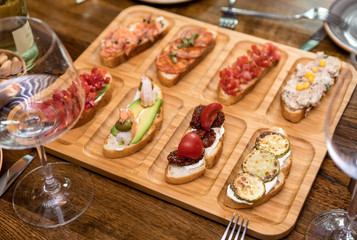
329	225
37	207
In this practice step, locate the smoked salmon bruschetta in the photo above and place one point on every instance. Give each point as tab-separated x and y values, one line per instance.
308	85
138	123
97	84
240	77
264	171
201	146
183	54
123	43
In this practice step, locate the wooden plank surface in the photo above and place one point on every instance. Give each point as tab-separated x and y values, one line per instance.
145	169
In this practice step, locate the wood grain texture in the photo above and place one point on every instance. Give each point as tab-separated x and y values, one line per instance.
121	212
145	169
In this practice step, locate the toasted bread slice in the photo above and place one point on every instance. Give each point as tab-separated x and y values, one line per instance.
300	111
175	174
120	57
229	202
232	202
112	150
169	79
226	99
98	103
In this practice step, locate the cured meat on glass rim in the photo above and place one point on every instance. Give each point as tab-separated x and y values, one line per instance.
183	54
239	78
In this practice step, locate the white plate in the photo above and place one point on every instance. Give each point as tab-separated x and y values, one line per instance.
347	40
165	1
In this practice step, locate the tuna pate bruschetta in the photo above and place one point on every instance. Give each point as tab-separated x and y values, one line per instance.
308	84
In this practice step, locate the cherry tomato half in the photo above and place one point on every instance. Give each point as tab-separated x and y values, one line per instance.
209	114
191	146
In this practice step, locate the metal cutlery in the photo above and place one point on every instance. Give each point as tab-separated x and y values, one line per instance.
234	228
313	13
314	39
15	170
229	18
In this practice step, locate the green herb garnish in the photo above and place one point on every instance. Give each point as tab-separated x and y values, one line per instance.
173	56
326	56
139	41
162	24
327	86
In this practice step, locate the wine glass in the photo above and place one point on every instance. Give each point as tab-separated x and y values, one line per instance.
339	224
38	105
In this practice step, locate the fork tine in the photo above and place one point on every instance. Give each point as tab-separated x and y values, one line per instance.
227	229
245	230
234	228
240	227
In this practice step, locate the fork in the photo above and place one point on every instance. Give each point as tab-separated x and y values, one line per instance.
313	13
234	227
229	19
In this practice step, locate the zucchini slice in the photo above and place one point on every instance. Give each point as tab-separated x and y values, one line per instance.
274	142
248	187
262	163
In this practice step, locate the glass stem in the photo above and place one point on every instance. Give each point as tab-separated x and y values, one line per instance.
50	183
351	211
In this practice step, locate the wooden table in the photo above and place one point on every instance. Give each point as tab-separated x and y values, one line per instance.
121	212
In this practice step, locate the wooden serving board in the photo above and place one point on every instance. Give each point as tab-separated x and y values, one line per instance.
258	111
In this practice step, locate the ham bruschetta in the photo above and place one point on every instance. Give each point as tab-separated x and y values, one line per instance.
240	77
183	54
201	146
123	43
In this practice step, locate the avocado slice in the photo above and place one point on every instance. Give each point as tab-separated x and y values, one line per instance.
136	107
146	118
114	131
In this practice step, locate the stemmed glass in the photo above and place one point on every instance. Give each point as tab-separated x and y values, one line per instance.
339	224
38	104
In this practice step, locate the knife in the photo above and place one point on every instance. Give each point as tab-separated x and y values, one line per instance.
15	170
314	39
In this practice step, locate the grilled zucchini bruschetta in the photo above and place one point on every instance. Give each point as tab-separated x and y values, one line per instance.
264	171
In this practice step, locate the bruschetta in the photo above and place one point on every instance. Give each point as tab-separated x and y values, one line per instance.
201	146
264	171
183	54
240	77
123	43
308	84
138	123
97	84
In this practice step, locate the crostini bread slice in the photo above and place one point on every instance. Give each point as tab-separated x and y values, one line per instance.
296	115
169	80
101	102
121	57
281	178
112	151
226	99
175	174
237	205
